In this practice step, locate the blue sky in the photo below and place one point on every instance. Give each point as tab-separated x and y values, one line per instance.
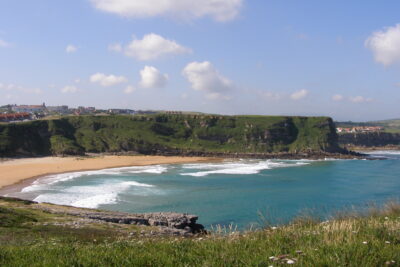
335	58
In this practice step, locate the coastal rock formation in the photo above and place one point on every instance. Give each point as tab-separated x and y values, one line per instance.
369	140
168	222
163	134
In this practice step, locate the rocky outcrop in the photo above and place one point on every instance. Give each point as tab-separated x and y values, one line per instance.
168	222
367	140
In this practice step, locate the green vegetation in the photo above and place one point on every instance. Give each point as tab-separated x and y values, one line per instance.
168	134
30	237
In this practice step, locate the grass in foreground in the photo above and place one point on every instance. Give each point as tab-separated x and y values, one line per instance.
30	238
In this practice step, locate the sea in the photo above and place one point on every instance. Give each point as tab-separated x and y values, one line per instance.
244	194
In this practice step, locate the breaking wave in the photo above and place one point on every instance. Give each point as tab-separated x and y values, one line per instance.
241	167
93	196
45	182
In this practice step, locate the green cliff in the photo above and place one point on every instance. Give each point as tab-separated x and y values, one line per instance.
169	134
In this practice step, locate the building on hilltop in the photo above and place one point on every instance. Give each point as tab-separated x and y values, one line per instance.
15	117
58	109
30	109
83	110
361	129
121	111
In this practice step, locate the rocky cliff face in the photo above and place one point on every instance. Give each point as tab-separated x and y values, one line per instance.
171	135
369	139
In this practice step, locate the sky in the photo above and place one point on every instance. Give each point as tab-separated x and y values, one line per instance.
271	57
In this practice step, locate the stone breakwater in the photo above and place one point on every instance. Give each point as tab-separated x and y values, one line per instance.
167	223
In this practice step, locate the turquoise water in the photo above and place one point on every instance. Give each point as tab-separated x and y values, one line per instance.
231	192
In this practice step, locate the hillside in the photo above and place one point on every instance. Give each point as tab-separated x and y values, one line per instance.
169	135
30	235
391	126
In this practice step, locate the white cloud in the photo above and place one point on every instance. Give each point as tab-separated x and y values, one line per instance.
360	99
385	45
69	89
337	98
299	94
220	10
129	89
204	77
115	47
107	80
17	88
4	43
151	47
71	49
152	78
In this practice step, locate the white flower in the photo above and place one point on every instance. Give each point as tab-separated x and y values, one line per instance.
365	242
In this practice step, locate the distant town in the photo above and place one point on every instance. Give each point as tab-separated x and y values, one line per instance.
17	113
361	129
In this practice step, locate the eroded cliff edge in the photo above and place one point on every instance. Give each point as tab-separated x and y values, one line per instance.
374	140
252	136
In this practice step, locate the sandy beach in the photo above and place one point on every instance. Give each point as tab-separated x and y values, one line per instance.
16	171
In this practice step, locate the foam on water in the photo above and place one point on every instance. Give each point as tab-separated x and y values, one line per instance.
241	167
383	152
46	182
94	195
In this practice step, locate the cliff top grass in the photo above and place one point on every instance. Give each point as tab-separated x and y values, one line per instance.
29	237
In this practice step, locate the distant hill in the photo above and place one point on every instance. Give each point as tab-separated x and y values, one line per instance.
169	135
395	123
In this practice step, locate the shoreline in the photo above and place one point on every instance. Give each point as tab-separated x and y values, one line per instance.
19	173
373	148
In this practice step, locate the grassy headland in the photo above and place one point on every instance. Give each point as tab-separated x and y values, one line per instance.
169	135
33	237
